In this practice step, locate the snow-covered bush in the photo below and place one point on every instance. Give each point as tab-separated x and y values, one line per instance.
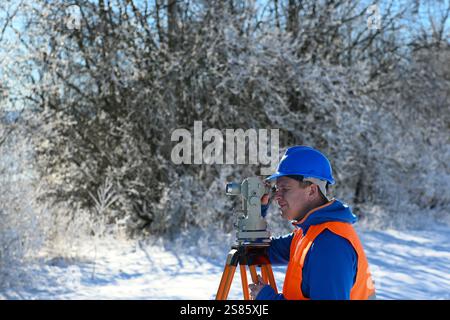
22	226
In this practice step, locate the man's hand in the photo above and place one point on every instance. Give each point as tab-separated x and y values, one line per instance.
255	288
266	197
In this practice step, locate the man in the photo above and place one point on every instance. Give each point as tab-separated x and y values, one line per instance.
324	255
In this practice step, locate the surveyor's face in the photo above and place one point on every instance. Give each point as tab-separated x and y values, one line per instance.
292	199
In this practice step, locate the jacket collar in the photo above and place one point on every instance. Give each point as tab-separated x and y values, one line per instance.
299	223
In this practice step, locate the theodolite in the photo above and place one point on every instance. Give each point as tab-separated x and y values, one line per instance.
252	238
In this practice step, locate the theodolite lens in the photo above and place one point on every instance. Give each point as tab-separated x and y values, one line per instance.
233	189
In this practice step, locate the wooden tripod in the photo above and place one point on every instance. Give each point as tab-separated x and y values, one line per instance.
251	255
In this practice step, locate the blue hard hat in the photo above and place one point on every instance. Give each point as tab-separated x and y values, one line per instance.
304	161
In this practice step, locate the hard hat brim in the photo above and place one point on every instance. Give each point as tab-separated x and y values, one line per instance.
279	174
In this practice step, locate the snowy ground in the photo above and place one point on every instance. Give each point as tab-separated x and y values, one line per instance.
405	265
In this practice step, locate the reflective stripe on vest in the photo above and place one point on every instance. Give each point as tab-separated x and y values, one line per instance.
362	289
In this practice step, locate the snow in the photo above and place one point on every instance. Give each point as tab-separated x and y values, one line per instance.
406	264
410	264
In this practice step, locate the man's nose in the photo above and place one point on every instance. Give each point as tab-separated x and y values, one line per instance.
277	195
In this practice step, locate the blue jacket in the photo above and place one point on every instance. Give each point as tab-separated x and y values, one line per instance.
330	266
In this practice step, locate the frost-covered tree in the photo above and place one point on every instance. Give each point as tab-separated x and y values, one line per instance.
22	227
109	81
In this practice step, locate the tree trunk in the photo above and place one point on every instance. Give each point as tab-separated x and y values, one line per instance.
292	19
172	23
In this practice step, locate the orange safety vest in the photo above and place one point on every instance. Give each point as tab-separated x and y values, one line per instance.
363	287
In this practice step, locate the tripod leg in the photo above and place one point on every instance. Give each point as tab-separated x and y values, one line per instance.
225	282
253	273
244	282
264	274
219	295
269	273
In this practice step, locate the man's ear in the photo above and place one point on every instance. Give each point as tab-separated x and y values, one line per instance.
314	190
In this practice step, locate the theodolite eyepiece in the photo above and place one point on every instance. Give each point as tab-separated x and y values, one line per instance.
233	189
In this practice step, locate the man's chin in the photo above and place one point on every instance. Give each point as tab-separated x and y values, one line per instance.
284	215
